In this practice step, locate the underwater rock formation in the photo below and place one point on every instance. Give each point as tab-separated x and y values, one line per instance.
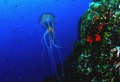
98	51
100	38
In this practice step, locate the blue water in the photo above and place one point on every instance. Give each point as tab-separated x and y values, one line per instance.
21	34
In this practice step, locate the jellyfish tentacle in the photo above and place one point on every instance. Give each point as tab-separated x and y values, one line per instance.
52	58
57	46
51	54
45	34
55	67
42	55
43	49
53	41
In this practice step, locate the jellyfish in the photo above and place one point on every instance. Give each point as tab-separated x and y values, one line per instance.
47	22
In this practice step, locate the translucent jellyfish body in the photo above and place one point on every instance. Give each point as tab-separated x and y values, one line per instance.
47	22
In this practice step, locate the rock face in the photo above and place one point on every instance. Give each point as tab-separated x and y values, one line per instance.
96	57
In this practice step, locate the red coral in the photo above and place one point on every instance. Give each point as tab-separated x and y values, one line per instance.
98	38
90	40
100	27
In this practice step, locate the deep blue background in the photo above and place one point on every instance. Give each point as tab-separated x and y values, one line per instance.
20	36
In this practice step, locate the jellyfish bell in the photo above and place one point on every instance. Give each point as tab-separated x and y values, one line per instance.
47	22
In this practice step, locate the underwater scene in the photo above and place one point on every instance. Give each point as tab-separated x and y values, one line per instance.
60	41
